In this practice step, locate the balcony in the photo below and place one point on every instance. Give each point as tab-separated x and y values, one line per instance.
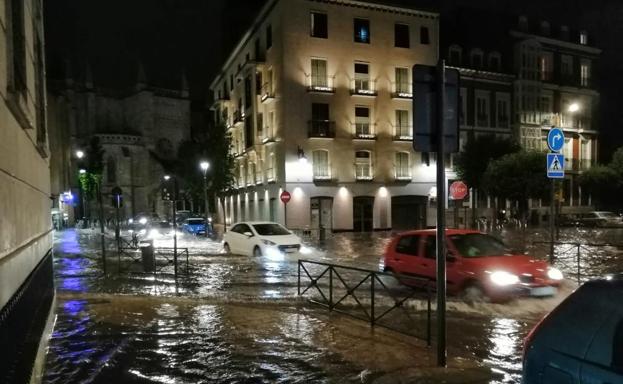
363	87
321	84
402	90
403	133
402	174
267	93
270	175
363	172
364	131
321	129
238	117
322	174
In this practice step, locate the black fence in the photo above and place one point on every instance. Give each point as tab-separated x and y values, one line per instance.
586	261
382	299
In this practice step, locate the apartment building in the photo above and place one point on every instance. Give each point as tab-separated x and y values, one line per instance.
555	85
26	280
317	97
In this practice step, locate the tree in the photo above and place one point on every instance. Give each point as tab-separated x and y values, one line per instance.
93	165
212	145
518	177
602	182
471	163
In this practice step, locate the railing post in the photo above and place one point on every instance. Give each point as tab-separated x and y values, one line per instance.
372	319
578	264
299	279
330	288
428	316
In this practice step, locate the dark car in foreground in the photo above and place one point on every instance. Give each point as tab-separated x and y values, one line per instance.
479	266
581	340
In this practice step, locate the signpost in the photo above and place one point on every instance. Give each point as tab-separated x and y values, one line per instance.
555	170
285	199
457	192
117	195
436	129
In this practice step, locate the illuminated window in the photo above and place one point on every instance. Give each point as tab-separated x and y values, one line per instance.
402	166
363	165
321	165
362	31
403	127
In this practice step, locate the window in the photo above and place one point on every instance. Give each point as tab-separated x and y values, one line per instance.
476	58
362	31
320	126
271	124
403	127
18	47
502	110
231	82
566	65
258	83
401	36
424	35
402	81
455	55
583	38
258	53
319	25
111	169
269	36
409	245
545	66
319	73
495	61
260	124
362	122
321	165
363	165
402	166
482	116
585	73
247	92
430	247
320	111
362	77
545	28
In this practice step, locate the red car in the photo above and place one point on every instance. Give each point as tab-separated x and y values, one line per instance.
479	266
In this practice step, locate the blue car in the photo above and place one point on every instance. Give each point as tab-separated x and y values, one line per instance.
195	226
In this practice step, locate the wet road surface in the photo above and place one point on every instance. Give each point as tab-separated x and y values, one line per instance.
235	319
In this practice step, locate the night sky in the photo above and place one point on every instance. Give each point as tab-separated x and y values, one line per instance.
195	36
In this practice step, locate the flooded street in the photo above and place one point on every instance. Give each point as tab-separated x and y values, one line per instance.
234	319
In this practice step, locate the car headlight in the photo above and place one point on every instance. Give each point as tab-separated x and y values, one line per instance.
154	233
504	278
142	231
554	274
143	221
268	242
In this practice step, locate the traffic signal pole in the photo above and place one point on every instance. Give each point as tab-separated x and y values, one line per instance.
441	217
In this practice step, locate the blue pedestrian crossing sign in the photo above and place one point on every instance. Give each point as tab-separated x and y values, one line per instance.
555	166
555	139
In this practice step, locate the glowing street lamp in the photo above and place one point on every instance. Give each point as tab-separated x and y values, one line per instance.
79	154
82	171
574	107
167	177
204	165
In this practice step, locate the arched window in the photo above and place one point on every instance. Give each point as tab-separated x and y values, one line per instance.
455	54
476	58
321	164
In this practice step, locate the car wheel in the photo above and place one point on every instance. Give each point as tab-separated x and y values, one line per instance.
257	252
474	293
227	249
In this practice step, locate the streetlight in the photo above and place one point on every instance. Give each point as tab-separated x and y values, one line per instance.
82	171
573	107
204	165
79	154
173	205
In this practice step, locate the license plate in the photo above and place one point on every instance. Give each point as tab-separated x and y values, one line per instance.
543	291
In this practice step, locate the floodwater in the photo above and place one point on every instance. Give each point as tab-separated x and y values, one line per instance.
234	319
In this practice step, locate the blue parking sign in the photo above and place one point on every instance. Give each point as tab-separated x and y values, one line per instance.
555	166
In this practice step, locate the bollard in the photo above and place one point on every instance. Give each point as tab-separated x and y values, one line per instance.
147	255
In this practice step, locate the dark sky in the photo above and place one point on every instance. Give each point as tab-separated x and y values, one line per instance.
195	36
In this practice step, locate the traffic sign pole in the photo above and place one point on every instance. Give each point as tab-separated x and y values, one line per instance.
285	199
555	142
441	218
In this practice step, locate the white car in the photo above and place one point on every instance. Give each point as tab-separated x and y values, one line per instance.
260	239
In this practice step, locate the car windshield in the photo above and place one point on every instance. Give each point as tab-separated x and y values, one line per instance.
195	222
270	230
478	245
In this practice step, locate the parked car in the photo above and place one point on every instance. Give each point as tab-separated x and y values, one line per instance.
195	226
479	266
600	219
181	216
260	239
581	340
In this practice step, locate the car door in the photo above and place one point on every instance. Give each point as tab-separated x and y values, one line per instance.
233	238
603	363
245	243
406	255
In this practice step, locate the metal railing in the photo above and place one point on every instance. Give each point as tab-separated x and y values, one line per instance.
371	295
572	258
321	128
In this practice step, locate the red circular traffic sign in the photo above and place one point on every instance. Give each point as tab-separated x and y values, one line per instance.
458	190
285	197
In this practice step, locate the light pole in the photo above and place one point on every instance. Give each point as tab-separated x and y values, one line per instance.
204	165
174	203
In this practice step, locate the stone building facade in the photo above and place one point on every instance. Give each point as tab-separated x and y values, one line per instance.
26	280
137	128
317	97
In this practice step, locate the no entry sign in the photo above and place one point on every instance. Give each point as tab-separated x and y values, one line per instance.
285	197
458	190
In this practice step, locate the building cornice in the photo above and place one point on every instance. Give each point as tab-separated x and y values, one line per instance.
555	42
474	74
381	7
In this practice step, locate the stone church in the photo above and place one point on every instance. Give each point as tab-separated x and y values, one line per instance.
138	128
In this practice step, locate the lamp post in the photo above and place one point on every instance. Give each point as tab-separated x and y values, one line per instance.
204	165
173	204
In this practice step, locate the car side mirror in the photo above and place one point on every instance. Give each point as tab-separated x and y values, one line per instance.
248	234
